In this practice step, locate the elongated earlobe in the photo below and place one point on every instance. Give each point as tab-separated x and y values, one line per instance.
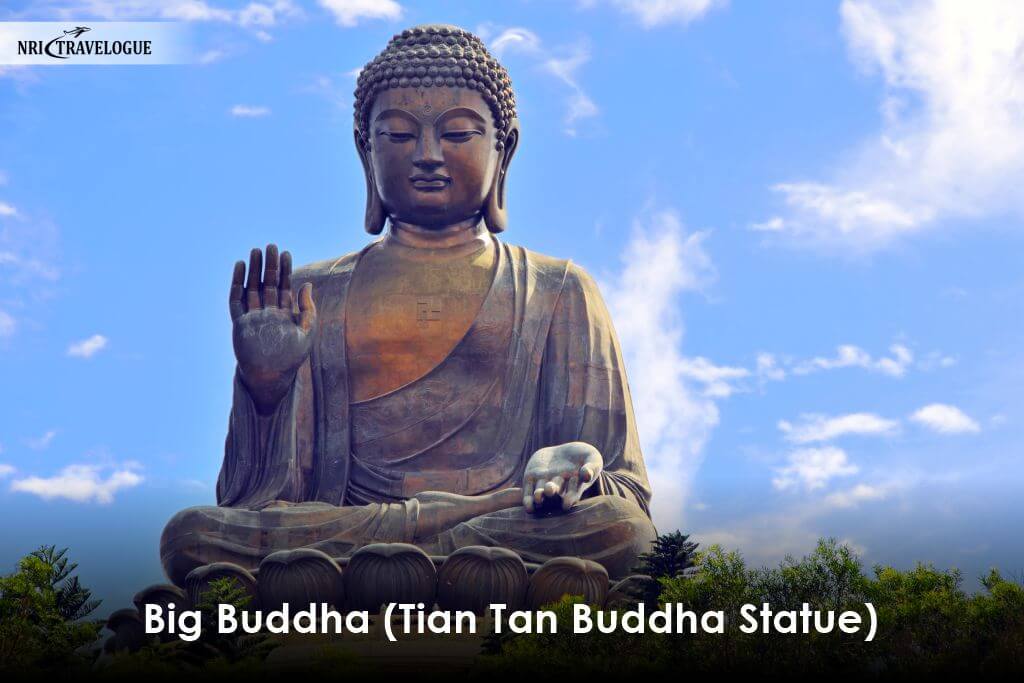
496	206
373	221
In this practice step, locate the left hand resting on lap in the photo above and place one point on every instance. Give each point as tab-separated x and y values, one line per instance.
560	472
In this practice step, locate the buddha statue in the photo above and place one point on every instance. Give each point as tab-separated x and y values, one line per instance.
440	387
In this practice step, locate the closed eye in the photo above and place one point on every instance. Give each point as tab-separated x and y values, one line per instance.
397	137
460	135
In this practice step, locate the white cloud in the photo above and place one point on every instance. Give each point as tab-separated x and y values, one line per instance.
579	105
87	348
253	15
515	39
858	494
212	56
813	468
945	419
350	12
716	379
249	111
767	368
814	428
7	210
674	418
651	13
41	442
936	360
24	268
564	68
80	483
774	224
7	324
6	470
850	356
952	142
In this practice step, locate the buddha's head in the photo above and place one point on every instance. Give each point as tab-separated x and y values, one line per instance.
436	128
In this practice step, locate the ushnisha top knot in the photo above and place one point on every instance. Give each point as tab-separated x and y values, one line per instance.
436	55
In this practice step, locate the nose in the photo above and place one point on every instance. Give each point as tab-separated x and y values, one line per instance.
428	151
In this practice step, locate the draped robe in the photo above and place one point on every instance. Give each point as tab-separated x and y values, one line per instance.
539	366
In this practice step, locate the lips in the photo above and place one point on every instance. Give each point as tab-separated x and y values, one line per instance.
430	181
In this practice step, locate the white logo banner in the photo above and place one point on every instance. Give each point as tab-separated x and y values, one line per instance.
92	42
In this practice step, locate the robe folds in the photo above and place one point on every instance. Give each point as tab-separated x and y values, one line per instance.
539	366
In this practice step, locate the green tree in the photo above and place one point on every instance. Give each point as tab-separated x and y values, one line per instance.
74	601
671	556
40	609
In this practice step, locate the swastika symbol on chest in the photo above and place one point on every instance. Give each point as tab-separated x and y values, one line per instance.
428	310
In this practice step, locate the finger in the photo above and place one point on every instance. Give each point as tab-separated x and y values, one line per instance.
528	485
570	499
538	493
572	492
270	277
554	487
285	294
252	285
307	309
235	298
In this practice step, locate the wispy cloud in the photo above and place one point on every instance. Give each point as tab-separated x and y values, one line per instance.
774	367
212	56
8	325
767	368
718	380
945	419
952	142
81	483
651	13
6	470
43	441
28	266
815	428
563	64
858	494
252	14
349	13
813	468
87	348
850	356
675	418
249	111
578	105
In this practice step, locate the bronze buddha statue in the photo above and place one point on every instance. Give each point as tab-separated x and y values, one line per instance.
439	387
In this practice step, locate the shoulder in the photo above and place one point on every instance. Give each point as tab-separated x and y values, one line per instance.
573	279
321	271
550	269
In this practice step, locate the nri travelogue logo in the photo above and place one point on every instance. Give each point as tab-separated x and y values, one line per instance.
66	45
114	42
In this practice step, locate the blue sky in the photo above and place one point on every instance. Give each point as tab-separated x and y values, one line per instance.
804	216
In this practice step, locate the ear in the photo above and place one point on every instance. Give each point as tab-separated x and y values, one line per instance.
375	216
496	207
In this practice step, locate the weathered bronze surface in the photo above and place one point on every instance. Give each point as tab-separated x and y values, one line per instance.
439	387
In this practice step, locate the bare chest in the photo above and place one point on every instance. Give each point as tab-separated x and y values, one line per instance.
404	317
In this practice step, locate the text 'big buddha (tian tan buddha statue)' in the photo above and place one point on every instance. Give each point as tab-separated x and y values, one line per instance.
439	387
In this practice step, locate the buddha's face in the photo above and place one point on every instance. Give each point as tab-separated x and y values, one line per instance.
433	153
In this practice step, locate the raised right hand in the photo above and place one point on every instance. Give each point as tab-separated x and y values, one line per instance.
272	332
